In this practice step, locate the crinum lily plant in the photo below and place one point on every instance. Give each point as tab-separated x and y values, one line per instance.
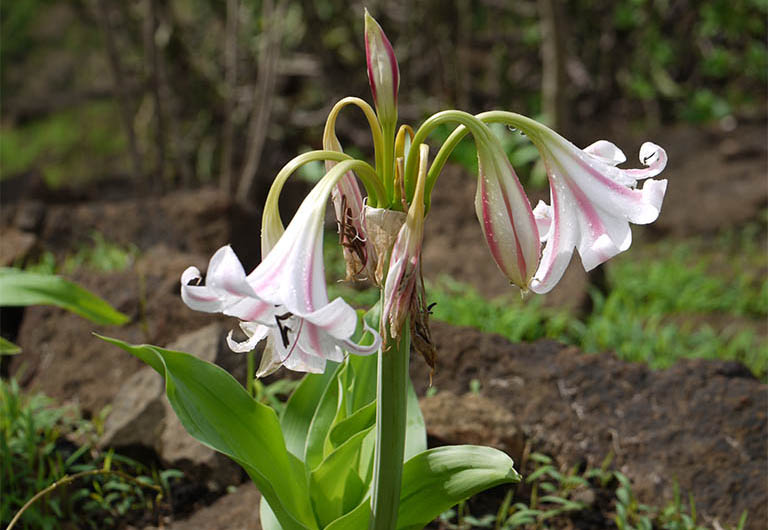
349	449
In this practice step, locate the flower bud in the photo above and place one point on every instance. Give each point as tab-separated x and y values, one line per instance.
383	72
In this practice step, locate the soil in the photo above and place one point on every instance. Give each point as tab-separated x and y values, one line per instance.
700	423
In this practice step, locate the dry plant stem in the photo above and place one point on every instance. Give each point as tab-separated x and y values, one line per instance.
151	69
66	479
230	65
126	116
391	399
269	56
553	57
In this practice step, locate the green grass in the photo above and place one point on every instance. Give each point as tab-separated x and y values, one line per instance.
97	255
668	301
69	146
551	495
41	443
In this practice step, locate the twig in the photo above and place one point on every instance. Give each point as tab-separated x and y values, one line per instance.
230	65
66	479
268	59
120	87
553	81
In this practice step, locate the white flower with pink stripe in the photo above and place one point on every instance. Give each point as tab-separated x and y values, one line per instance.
592	202
284	298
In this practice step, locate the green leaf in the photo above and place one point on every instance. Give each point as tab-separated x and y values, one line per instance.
322	421
267	517
439	478
8	348
415	431
354	520
335	485
216	410
21	288
301	408
360	420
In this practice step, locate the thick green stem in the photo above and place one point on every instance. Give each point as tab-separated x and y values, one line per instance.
387	169
391	411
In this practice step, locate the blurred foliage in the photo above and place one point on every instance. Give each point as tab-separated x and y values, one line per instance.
658	60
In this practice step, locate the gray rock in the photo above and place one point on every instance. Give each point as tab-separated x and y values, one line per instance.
142	415
472	419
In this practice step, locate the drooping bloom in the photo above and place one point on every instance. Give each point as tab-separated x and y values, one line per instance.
348	204
405	259
505	215
592	202
284	298
383	71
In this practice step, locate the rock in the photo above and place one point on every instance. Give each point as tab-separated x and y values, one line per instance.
15	246
472	419
235	511
138	411
142	415
176	445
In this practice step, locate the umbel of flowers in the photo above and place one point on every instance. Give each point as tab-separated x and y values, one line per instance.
349	451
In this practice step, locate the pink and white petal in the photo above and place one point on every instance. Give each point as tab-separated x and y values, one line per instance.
301	361
337	318
607	152
542	214
256	333
270	358
654	157
360	349
199	297
604	191
560	242
226	273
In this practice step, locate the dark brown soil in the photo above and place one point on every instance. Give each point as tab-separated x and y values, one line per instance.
701	423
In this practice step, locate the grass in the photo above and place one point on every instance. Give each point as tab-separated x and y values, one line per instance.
41	443
97	255
551	495
668	301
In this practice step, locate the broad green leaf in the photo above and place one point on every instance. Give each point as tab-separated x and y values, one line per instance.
21	288
301	407
216	410
8	348
415	431
267	517
355	520
436	480
360	420
322	421
364	368
337	473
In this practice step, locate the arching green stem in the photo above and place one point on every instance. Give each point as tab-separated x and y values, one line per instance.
530	127
373	123
471	124
271	223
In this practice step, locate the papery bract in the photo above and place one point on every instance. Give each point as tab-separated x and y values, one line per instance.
593	202
383	71
505	215
405	260
284	297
